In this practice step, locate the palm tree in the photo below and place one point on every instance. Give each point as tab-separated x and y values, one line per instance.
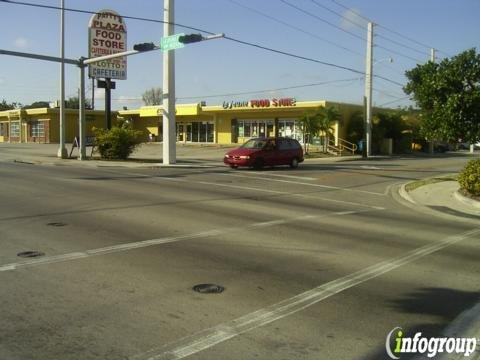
327	117
310	128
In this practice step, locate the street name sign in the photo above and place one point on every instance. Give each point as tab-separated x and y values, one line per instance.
171	42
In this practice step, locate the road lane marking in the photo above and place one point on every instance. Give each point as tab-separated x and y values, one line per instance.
303	183
210	337
169	239
288	176
308	196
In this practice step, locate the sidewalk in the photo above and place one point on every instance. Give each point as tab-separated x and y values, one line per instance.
442	197
147	155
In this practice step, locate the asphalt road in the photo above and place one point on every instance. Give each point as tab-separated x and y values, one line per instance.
320	262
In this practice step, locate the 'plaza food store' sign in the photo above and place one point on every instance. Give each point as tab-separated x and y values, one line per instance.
107	35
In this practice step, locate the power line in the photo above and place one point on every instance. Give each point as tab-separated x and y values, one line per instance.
322	20
400	44
394	101
270	90
258	46
362	26
386	28
399	54
295	27
94	12
346	31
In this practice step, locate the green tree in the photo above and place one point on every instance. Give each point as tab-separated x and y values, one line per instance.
37	104
448	94
9	106
73	103
118	142
153	96
309	124
356	127
321	121
327	117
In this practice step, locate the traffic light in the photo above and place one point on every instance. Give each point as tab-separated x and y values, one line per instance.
190	38
144	47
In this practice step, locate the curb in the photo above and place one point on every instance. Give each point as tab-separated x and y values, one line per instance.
404	194
465	325
467	201
106	164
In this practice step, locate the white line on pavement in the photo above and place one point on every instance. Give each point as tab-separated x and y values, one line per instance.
165	240
288	176
223	332
309	196
303	183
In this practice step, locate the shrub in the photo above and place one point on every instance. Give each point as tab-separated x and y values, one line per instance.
117	143
469	178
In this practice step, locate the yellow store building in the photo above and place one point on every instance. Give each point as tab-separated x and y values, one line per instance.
235	122
229	123
41	125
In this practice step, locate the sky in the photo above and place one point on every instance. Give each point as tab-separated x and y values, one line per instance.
331	32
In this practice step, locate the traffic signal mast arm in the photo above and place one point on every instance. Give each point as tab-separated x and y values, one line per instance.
191	38
143	47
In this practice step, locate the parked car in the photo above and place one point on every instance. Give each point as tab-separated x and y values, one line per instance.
260	152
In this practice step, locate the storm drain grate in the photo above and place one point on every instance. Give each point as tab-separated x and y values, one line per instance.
208	288
30	254
56	224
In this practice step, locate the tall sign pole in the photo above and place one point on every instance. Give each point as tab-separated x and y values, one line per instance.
62	150
81	113
431	144
368	91
168	123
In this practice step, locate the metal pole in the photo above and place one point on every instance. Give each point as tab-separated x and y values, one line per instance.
93	93
62	150
431	144
108	103
81	114
169	150
368	90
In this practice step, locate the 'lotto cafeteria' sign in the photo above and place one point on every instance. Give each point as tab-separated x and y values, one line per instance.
107	35
262	103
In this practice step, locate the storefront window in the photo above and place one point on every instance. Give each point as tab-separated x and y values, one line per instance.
203	132
210	132
37	129
15	129
3	129
290	128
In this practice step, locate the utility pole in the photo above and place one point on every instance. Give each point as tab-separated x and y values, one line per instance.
431	148
62	150
81	113
368	91
168	126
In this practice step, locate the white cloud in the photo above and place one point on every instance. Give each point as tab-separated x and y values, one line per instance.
350	18
2	81
22	43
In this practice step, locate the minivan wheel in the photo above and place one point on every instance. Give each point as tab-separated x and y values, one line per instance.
294	163
258	164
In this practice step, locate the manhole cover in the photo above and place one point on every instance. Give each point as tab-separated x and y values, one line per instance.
56	224
208	288
30	254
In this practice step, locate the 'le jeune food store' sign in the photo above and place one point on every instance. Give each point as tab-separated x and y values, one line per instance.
261	103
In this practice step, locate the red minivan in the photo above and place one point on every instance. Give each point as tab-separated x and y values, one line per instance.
260	152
